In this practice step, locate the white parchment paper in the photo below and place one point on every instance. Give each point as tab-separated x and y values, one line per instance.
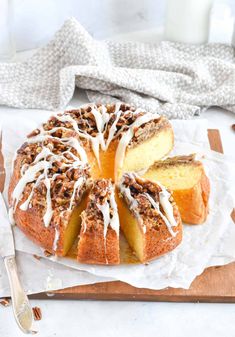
212	243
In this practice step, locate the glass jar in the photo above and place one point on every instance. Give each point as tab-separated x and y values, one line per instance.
188	20
7	49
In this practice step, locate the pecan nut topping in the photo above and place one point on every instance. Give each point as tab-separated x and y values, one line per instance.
37	313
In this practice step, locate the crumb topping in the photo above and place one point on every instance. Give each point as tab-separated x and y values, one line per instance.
144	198
87	123
64	171
101	210
180	160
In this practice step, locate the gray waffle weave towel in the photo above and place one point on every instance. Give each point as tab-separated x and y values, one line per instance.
174	79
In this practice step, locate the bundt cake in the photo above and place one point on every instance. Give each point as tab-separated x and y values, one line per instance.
53	168
149	217
99	235
64	177
186	178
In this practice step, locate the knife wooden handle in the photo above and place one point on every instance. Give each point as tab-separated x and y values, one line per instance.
21	307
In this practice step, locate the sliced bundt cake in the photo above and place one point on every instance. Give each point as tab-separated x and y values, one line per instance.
52	169
149	217
187	180
47	192
99	236
89	148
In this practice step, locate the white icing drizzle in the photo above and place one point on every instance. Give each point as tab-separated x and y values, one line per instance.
106	115
113	129
113	221
164	196
67	118
96	141
73	142
49	212
127	192
96	147
100	118
133	203
43	154
83	224
126	138
56	239
28	177
105	210
23	169
106	217
157	208
25	205
77	184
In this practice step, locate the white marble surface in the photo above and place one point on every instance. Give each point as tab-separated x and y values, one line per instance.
97	318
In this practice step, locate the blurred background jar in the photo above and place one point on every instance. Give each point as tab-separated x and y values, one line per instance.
36	21
188	20
7	49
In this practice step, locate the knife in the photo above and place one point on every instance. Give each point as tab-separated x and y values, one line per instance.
21	308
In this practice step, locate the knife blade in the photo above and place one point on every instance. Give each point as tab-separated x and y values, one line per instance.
7	246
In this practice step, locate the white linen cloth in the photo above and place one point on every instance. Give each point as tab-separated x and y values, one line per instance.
174	79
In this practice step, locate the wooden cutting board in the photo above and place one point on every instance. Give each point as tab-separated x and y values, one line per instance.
215	284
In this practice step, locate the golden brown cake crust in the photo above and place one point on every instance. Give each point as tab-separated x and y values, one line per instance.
160	243
192	202
94	249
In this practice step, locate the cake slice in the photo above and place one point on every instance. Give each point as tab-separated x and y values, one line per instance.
47	194
99	236
119	138
150	141
149	217
187	180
